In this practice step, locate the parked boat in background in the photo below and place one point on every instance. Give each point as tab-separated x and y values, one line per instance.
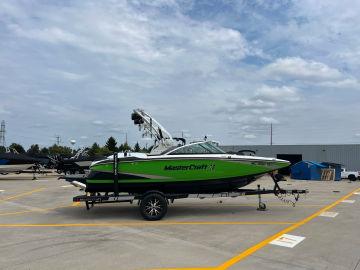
13	162
78	164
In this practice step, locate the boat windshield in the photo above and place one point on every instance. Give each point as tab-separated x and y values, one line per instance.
198	148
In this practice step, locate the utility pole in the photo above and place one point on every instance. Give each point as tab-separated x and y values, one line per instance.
58	139
2	134
271	134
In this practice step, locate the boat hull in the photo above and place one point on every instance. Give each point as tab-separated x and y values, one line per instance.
176	187
15	167
173	175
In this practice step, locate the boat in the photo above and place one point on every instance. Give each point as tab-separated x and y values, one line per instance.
77	164
174	166
13	162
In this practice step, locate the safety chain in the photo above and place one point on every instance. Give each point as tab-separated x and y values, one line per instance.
284	198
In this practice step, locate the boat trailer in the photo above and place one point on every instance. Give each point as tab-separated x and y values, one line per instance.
153	204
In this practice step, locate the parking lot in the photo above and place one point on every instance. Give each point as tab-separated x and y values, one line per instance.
40	228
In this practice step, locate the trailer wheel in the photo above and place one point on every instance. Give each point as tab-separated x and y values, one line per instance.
262	206
153	206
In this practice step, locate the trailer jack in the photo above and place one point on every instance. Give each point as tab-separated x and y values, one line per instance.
262	206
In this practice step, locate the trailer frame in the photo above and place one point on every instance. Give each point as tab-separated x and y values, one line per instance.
91	199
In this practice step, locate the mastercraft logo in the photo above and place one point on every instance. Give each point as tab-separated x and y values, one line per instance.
190	167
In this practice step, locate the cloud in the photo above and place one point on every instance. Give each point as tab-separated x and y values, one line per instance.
228	41
84	137
38	125
277	94
71	76
99	135
210	67
117	129
346	83
308	72
4	111
296	68
265	100
52	35
253	103
98	122
268	120
127	31
249	136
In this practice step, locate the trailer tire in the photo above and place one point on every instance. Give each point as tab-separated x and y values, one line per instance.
262	206
153	206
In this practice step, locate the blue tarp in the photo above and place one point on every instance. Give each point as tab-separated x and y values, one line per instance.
307	170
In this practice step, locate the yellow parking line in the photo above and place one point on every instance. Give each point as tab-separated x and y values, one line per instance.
251	205
76	204
22	194
20	212
36	210
191	268
263	243
147	223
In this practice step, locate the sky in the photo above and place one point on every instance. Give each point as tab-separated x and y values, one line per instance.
225	69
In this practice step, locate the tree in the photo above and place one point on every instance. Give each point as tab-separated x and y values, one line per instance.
60	150
145	150
127	147
94	150
34	150
137	147
124	147
2	149
121	148
111	144
104	151
17	147
44	151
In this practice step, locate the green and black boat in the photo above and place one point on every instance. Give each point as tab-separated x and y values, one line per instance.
176	167
199	167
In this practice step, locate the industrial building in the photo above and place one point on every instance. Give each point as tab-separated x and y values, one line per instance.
346	154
